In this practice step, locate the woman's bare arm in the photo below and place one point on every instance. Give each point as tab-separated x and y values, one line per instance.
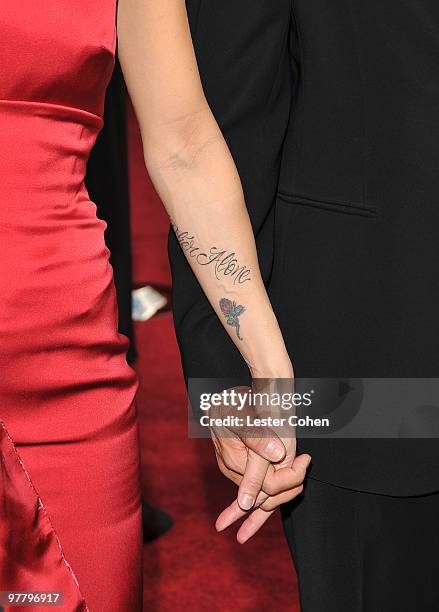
195	176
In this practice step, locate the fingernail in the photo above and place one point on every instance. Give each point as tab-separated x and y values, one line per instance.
274	450
246	501
308	463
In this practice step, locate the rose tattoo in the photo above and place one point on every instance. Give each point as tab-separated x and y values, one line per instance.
231	311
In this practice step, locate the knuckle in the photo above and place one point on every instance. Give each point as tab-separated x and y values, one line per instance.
295	492
299	477
270	488
228	460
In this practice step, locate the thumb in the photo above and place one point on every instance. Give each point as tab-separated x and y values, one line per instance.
252	480
268	446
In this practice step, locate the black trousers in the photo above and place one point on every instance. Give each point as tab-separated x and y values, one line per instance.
362	552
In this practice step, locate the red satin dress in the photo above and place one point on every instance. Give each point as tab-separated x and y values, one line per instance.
69	486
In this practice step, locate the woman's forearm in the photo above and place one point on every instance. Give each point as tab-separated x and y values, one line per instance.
201	190
195	176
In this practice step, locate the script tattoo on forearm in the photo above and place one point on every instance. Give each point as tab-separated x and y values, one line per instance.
232	311
224	263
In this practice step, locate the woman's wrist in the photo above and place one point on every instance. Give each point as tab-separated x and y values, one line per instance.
274	368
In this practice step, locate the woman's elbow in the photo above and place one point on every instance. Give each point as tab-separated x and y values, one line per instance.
175	146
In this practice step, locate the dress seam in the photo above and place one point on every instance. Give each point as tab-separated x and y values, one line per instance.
42	103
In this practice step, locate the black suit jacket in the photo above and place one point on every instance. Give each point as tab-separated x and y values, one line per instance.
293	89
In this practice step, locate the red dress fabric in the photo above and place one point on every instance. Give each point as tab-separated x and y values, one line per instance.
66	391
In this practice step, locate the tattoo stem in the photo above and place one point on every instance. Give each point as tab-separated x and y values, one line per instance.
232	311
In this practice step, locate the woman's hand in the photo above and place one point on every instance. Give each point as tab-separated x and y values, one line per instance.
195	176
282	482
263	465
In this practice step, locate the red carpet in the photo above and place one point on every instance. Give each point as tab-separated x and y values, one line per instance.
191	567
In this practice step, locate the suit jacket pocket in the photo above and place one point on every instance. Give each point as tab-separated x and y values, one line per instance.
337	206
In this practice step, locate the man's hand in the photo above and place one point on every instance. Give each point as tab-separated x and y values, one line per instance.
282	483
265	468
